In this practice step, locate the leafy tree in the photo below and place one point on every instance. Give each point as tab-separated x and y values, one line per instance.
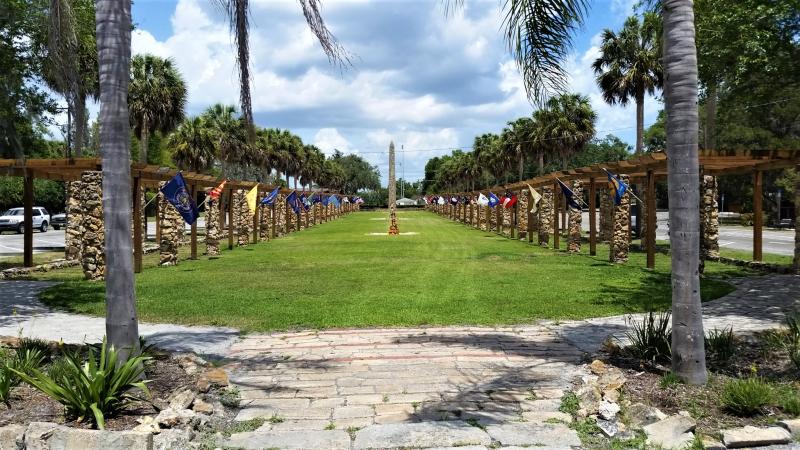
47	193
565	125
157	98
601	150
359	174
229	136
193	145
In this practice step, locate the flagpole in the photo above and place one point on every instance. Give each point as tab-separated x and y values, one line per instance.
627	186
570	190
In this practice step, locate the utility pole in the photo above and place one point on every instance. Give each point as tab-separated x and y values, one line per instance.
403	163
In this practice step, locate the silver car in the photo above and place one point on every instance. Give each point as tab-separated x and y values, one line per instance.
13	219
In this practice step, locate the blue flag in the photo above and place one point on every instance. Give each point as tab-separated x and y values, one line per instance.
325	199
334	200
305	201
176	193
617	186
493	200
569	195
270	198
292	200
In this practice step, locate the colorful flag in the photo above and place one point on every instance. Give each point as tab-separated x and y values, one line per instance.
493	200
251	199
325	200
453	200
334	200
345	199
569	195
441	201
482	199
359	201
217	191
535	198
305	202
617	186
176	193
270	198
509	200
291	199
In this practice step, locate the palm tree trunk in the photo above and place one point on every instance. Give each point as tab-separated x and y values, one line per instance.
639	121
243	57
521	167
541	162
114	55
711	116
680	92
80	122
143	144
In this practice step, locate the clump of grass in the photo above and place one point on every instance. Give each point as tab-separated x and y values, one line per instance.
230	398
668	380
330	426
244	426
352	431
747	396
570	403
473	422
40	345
650	339
721	345
276	419
787	398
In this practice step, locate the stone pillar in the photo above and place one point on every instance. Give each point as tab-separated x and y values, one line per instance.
797	223
522	214
507	218
212	225
575	219
90	196
709	218
545	216
606	215
620	239
171	221
264	222
242	218
73	232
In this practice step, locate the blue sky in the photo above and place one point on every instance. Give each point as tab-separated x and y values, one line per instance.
427	81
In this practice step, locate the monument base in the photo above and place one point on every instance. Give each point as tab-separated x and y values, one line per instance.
393	228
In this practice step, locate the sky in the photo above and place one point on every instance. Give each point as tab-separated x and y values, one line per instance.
427	81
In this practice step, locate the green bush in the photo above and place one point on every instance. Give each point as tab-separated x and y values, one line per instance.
27	361
7	381
747	396
721	344
650	339
95	389
42	346
746	219
789	401
570	404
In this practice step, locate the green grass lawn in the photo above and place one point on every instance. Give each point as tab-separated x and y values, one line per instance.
337	275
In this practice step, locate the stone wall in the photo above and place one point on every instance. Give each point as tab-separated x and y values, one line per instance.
242	218
171	224
212	225
264	222
545	220
90	197
575	219
620	240
709	218
73	234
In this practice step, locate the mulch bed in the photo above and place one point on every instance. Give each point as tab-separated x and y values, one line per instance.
30	405
703	402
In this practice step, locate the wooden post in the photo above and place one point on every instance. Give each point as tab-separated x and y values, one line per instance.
650	232
758	214
530	219
158	219
27	240
257	221
498	217
592	217
193	235
556	213
230	220
486	212
273	215
137	224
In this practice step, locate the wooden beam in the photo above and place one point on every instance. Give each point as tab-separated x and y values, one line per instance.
758	214
193	232
230	219
137	225
27	241
592	217
650	232
556	213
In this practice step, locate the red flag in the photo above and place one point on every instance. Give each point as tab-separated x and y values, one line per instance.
509	200
217	191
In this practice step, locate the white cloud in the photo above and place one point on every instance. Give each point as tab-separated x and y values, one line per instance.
329	139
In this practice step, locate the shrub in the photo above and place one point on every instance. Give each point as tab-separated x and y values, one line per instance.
788	399
95	389
721	344
747	396
230	398
40	345
650	338
7	381
27	361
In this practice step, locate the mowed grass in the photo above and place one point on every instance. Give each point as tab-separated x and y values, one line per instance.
337	275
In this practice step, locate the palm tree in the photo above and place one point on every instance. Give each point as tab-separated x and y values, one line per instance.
683	172
193	145
113	47
566	125
517	138
157	98
229	136
630	66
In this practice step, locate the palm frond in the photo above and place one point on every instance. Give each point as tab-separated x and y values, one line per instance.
336	53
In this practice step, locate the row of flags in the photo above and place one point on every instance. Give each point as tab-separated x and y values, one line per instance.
176	192
615	184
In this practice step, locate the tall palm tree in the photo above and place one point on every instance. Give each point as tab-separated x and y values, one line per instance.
114	56
683	174
193	145
156	99
629	66
229	136
566	125
517	138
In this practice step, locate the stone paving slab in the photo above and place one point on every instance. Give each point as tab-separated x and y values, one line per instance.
291	440
550	435
419	435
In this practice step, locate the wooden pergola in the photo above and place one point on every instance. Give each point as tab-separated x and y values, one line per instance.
652	167
142	175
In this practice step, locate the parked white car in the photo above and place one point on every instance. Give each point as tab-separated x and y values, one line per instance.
13	219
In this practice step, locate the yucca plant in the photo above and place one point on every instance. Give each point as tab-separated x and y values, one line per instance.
650	339
95	389
7	381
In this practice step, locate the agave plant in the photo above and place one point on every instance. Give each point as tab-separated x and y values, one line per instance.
95	389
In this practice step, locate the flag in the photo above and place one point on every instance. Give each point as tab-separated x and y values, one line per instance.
270	198
345	199
292	200
334	200
441	201
482	199
305	202
535	197
453	200
569	195
176	193
251	199
509	200
217	191
359	201
617	186
325	200
493	200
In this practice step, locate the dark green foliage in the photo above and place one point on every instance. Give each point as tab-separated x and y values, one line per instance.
570	404
721	345
40	345
650	339
747	396
47	193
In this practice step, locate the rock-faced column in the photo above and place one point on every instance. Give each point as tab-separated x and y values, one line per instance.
620	239
709	218
393	228
242	218
264	222
212	225
171	220
606	225
545	213
522	214
575	219
93	258
73	240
